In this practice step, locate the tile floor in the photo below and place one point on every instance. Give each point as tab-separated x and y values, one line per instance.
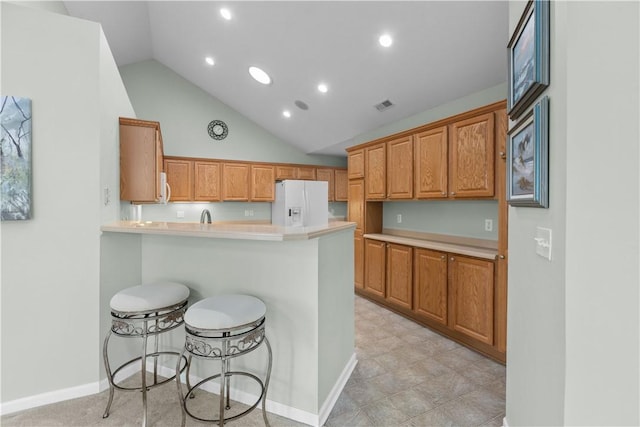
408	375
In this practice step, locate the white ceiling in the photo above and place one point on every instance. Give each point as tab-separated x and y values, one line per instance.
441	51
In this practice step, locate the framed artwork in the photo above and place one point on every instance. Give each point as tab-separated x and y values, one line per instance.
528	158
528	60
15	158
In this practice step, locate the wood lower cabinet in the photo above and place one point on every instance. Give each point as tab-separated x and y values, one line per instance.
341	192
263	187
471	283
399	284
471	157
358	261
141	160
235	182
430	285
206	181
180	179
375	267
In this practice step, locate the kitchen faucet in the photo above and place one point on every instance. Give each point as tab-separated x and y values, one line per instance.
205	214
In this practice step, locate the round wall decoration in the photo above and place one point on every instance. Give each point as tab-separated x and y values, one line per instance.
218	129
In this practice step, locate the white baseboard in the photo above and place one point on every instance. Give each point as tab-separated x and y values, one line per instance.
504	422
212	387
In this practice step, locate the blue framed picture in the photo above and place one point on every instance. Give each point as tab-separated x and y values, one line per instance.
528	60
528	158
15	158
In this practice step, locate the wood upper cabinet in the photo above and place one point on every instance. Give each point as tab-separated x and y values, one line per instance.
327	175
206	179
471	157
374	267
262	183
375	172
430	285
180	179
285	172
235	182
500	329
399	284
431	163
306	172
355	164
400	168
341	193
471	297
141	160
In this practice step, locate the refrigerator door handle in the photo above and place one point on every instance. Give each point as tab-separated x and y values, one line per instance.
305	209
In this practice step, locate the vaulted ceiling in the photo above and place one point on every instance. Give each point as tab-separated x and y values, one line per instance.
441	51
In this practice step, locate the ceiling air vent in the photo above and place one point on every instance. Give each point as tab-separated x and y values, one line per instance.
384	105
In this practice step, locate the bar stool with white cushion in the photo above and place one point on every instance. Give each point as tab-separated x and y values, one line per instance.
222	328
140	312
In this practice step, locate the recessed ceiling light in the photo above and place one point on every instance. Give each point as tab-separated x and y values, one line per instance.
286	113
226	13
209	60
385	40
323	88
259	75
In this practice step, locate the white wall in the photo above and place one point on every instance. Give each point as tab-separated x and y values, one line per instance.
50	264
573	325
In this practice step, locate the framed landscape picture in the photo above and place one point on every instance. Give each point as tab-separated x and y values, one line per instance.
528	159
15	158
528	60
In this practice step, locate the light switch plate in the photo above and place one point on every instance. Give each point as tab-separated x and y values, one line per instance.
543	242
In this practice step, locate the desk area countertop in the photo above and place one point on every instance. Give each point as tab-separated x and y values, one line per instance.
241	231
437	245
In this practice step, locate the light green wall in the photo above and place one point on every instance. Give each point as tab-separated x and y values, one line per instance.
50	264
459	217
573	322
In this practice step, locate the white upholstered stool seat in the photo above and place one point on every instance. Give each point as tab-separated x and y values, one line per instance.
141	312
222	328
151	296
225	312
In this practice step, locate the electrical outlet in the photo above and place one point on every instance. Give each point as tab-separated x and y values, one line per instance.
488	225
106	196
180	214
250	212
246	212
399	218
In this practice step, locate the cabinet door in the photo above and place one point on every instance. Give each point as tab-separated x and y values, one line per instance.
285	172
326	175
358	261
263	183
141	160
206	177
400	168
431	163
341	193
471	297
374	267
399	275
180	179
355	207
430	285
235	182
308	173
471	157
355	164
375	172
500	328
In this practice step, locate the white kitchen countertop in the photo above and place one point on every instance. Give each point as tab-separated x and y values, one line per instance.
468	250
241	231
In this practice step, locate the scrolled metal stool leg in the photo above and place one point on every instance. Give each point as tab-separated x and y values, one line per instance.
266	383
143	372
179	385
105	358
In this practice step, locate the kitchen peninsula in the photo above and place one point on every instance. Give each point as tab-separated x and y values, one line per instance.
303	274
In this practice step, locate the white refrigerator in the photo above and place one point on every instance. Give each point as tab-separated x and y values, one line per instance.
301	203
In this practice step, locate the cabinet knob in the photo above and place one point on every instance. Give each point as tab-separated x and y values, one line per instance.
501	256
444	193
442	257
453	193
503	154
453	259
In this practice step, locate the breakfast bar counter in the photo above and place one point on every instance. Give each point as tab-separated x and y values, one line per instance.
303	275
